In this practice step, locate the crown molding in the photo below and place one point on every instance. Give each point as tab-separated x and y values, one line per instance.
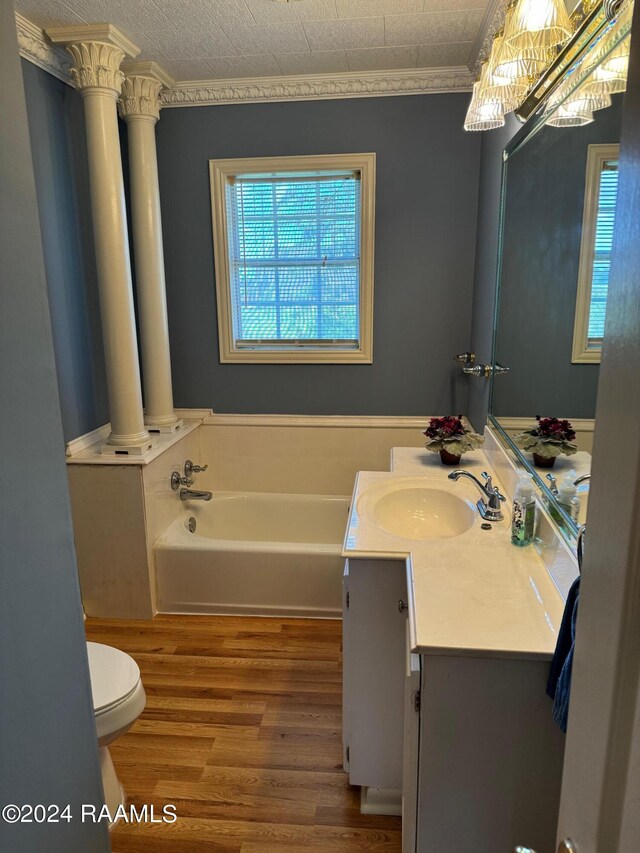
309	87
36	48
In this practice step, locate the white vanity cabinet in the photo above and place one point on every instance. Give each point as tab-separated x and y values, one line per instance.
490	756
374	629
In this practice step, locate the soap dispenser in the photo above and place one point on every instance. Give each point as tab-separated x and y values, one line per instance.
567	496
523	517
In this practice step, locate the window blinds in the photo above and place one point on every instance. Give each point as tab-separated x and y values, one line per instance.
607	195
294	253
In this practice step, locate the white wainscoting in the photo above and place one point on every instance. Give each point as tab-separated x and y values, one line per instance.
300	454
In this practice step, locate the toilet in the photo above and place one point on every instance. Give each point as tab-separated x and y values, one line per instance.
118	701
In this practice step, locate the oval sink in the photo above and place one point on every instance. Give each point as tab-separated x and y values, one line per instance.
418	512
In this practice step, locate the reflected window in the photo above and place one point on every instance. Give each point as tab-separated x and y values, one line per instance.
294	248
601	191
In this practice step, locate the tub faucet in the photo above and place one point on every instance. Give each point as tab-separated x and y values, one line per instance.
489	509
195	495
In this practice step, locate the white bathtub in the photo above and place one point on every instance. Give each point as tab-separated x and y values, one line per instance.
254	553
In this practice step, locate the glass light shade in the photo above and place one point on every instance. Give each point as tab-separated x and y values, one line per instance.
539	24
570	115
603	81
618	60
517	65
483	114
510	93
585	100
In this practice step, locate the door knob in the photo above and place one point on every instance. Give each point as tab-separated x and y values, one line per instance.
402	606
567	846
520	849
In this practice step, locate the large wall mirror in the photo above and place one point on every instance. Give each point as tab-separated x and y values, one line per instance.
560	182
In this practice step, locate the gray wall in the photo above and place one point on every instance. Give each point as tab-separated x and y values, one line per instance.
539	277
427	177
484	289
58	148
48	747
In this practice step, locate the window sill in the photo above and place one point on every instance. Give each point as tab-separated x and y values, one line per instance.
247	356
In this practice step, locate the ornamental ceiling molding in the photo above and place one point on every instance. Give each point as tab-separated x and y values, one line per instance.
318	87
35	47
491	23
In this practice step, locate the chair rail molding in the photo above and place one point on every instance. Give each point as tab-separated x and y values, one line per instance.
37	48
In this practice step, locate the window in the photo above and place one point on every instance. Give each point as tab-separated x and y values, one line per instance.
293	246
601	190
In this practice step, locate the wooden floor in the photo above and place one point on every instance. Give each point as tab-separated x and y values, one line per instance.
241	733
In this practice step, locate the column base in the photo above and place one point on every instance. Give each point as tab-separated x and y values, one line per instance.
165	428
127	449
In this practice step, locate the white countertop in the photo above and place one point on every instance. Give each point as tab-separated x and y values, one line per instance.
474	594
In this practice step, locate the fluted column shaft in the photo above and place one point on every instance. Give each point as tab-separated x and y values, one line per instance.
139	105
96	70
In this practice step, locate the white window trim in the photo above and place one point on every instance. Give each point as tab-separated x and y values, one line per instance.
220	170
581	352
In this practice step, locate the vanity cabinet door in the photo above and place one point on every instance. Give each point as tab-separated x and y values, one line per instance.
374	672
411	746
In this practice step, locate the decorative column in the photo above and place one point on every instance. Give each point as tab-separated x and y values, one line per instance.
139	105
97	52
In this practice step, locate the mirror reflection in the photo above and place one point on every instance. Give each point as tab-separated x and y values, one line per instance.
560	185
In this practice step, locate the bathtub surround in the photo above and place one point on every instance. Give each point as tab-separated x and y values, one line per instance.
97	52
131	502
277	455
139	105
47	737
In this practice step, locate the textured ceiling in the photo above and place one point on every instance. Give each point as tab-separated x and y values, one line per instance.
206	39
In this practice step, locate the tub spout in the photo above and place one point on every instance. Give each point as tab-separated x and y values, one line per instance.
195	495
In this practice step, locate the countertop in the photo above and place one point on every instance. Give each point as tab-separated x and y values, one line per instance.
474	594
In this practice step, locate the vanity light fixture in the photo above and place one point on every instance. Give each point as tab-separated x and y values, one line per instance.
483	114
539	24
540	44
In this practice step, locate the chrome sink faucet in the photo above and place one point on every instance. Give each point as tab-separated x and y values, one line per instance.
582	479
490	508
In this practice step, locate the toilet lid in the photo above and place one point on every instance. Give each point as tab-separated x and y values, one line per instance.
114	675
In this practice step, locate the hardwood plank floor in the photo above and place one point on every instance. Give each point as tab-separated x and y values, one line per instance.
242	733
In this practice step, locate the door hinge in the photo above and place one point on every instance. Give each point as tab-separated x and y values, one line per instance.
416	700
347	601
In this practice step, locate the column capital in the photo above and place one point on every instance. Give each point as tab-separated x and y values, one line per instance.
97	51
143	82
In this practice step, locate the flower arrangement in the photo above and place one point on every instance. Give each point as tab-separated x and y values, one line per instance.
451	438
547	440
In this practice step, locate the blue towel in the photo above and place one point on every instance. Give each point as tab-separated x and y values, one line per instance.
559	683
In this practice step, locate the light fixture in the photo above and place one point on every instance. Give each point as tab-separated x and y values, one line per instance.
493	86
618	60
539	24
483	114
570	115
517	66
568	65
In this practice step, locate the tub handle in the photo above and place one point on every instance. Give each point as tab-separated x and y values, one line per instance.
191	468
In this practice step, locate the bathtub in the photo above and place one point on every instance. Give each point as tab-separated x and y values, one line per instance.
254	553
